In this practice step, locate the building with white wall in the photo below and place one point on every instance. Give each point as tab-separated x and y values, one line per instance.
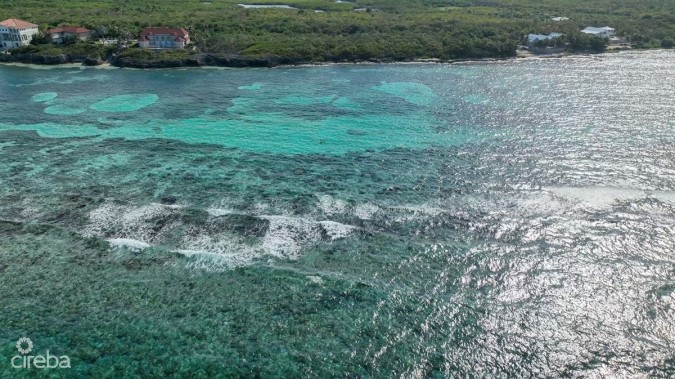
164	38
603	32
16	33
60	34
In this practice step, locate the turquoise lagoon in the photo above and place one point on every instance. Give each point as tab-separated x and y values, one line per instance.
510	219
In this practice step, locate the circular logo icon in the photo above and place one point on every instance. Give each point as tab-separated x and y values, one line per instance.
24	345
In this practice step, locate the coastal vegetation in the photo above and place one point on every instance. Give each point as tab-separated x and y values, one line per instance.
378	30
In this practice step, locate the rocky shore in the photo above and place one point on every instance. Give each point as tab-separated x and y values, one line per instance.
90	60
229	60
197	60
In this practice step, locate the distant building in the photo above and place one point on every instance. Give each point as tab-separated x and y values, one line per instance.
16	33
533	38
604	31
164	38
63	32
559	18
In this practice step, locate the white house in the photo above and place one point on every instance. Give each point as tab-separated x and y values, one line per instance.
60	34
164	38
558	19
532	38
604	31
16	33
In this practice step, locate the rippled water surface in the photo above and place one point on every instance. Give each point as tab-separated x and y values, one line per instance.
510	219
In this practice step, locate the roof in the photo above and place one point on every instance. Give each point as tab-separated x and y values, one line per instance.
68	29
594	30
14	23
538	37
176	32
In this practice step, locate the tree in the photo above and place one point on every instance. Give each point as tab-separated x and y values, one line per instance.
70	40
99	32
41	39
598	44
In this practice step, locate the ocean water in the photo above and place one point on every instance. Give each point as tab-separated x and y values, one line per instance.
490	220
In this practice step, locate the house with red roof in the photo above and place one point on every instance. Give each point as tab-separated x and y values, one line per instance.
16	33
62	33
164	38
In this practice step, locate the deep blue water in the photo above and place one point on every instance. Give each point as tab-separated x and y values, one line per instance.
510	219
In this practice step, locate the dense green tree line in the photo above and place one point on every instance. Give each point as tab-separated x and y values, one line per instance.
321	30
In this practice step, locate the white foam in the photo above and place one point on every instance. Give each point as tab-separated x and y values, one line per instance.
541	203
231	250
30	213
285	238
136	227
366	211
667	196
217	212
286	235
169	206
315	279
100	218
192	253
128	243
421	209
331	206
117	221
516	205
260	207
597	197
208	261
336	230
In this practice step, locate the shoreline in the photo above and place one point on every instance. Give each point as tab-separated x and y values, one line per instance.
433	61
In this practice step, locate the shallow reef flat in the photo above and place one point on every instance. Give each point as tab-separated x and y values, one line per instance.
375	221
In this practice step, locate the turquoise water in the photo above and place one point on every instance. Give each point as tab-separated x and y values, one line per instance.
511	219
